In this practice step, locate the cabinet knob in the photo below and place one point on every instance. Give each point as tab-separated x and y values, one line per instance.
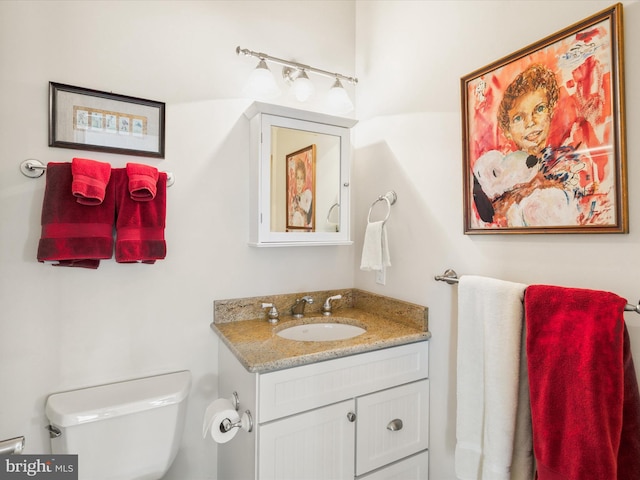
351	417
395	425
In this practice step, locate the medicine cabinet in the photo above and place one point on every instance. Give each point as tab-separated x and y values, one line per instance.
300	174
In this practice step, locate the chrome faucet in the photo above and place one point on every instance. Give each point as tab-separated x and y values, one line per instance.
326	306
297	310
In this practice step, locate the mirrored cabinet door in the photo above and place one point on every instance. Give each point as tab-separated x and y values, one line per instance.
300	170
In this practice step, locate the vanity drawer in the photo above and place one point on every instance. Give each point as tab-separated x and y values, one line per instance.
412	468
391	425
294	390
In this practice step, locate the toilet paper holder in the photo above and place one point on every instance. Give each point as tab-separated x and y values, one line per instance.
235	401
245	423
222	416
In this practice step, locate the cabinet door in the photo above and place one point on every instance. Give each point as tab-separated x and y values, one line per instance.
318	444
392	424
278	135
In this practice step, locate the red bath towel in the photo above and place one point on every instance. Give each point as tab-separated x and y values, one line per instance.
73	234
585	405
143	180
629	452
139	225
90	179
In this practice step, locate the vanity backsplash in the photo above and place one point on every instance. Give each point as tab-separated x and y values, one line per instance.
250	308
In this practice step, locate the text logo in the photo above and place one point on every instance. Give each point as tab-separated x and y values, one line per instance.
39	467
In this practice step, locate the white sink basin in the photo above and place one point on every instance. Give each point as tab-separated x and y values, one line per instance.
321	332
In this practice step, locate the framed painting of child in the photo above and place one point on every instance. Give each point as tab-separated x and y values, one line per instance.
301	188
544	138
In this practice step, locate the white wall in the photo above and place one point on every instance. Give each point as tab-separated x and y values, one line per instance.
66	328
410	57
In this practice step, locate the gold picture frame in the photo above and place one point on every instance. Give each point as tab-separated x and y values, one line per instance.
544	135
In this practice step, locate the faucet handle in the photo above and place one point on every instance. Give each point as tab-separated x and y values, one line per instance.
326	306
273	314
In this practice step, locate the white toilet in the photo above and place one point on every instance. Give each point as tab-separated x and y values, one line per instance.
122	431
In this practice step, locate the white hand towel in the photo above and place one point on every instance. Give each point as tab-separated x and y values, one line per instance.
490	324
375	250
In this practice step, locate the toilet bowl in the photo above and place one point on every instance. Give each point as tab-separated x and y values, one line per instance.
126	431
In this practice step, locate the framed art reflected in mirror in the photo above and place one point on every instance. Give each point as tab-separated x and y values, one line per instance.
301	187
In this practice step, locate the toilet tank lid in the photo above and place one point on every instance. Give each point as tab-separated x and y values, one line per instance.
122	398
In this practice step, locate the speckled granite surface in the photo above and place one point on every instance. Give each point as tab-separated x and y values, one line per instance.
242	325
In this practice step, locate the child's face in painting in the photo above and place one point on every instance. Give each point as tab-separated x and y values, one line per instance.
529	121
300	180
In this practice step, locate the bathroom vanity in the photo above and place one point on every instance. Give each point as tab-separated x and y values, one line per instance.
347	409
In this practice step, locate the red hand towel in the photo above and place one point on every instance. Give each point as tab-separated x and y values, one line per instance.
90	179
143	181
139	225
73	234
583	396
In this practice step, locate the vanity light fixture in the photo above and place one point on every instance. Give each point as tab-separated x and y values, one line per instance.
296	75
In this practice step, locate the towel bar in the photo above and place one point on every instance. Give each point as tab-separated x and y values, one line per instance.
33	168
451	277
12	446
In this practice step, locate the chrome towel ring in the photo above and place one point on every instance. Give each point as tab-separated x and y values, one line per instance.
390	197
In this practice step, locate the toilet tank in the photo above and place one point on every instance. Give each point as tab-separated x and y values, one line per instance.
126	430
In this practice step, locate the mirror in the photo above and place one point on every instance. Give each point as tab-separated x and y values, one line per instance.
305	181
300	177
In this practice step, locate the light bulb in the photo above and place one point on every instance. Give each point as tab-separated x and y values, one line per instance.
339	101
261	82
303	87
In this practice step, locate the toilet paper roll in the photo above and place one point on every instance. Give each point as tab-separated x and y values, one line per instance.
217	412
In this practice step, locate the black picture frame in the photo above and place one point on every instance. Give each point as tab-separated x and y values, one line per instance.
86	119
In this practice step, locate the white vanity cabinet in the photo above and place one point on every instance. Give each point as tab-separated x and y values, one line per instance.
363	416
299	177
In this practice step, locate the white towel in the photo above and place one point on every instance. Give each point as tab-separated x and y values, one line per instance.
522	463
375	250
490	329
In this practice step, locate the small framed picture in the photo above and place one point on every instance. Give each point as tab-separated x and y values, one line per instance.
301	189
86	119
544	135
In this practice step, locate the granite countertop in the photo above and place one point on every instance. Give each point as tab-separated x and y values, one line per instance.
254	341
